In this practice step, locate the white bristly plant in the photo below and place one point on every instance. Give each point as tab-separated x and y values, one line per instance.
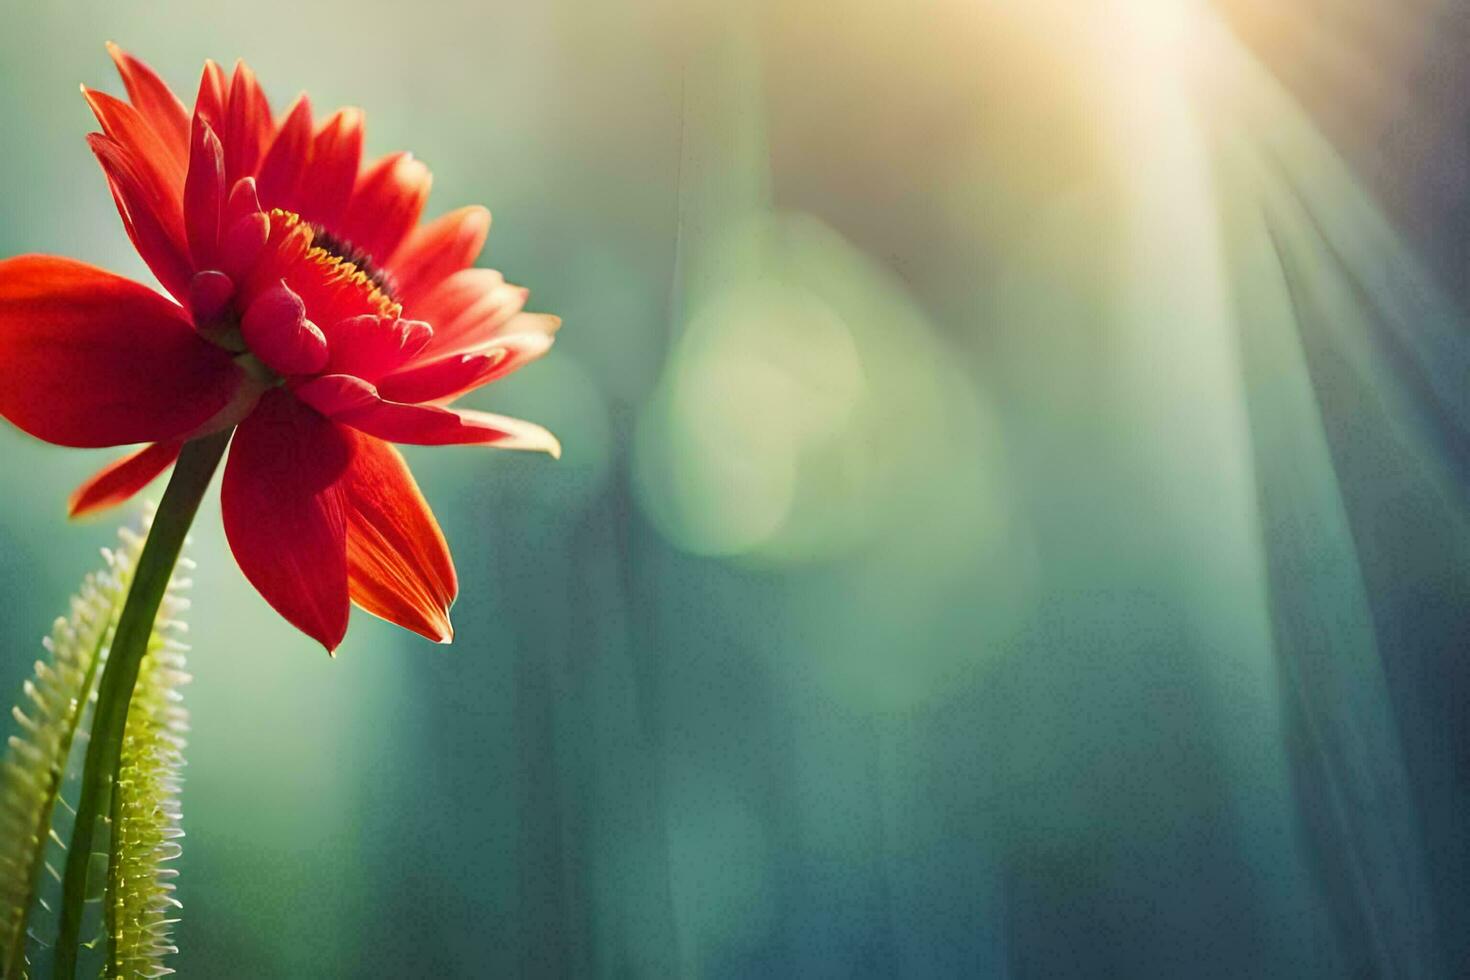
130	853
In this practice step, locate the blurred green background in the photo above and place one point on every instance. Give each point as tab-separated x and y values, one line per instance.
1012	519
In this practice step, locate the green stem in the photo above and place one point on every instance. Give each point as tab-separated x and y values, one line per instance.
191	477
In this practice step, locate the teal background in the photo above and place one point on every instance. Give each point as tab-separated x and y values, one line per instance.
1012	520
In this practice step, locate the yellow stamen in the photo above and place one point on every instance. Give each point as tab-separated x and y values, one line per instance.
336	272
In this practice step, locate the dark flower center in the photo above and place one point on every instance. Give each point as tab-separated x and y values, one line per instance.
343	249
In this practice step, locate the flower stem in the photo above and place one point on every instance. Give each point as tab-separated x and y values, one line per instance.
191	477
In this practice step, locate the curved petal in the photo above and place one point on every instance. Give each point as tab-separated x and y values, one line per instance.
213	97
120	479
473	308
370	346
237	110
386	203
455	294
446	378
398	564
284	516
126	126
155	102
89	359
153	219
515	433
248	126
354	402
336	154
283	168
276	330
204	194
437	250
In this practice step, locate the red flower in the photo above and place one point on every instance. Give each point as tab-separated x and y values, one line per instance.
310	307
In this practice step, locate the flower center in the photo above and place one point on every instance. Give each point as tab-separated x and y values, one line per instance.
324	271
283	287
353	255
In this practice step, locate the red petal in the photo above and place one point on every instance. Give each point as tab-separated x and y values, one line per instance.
472	308
386	203
126	126
398	563
438	249
210	293
354	402
119	480
370	346
242	243
514	433
238	111
204	194
284	166
454	295
336	154
284	515
243	201
156	102
277	331
213	97
448	377
154	222
88	358
248	126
